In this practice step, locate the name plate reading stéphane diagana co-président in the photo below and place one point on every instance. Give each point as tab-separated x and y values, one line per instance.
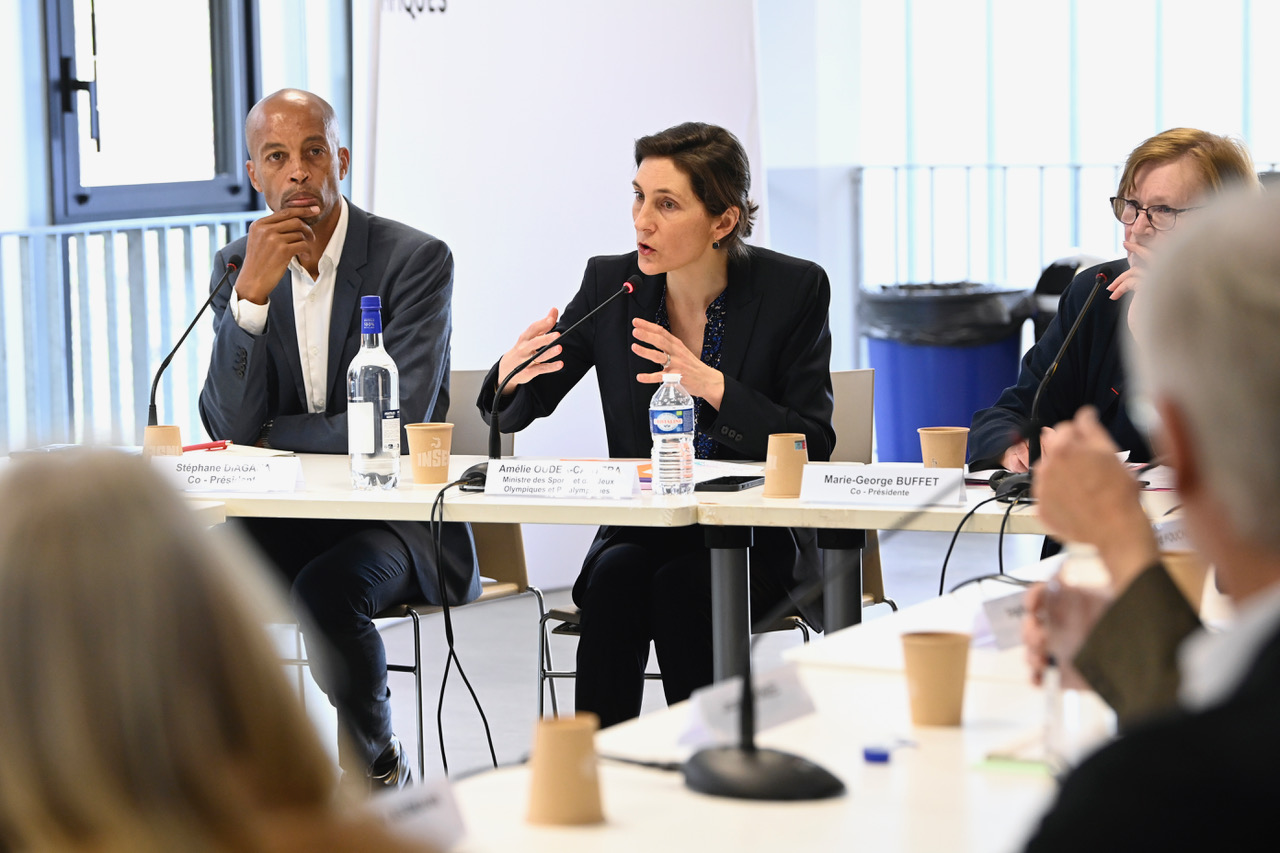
886	484
562	478
226	472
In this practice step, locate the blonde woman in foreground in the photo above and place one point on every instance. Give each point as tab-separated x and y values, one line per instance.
141	704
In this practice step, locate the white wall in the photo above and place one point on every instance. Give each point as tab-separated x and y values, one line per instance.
810	80
506	129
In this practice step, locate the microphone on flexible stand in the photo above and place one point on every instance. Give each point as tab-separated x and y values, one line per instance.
232	266
153	431
747	772
1010	487
475	476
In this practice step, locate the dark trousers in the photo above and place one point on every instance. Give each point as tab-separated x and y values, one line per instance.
655	585
341	574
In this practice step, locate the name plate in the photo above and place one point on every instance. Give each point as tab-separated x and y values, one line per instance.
889	484
714	710
1171	535
426	812
561	478
1004	614
223	472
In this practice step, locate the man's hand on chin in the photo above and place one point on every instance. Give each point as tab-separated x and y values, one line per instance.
274	240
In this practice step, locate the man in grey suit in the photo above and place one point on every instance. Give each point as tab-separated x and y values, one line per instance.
277	377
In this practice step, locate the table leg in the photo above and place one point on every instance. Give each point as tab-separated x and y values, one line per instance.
842	569
730	599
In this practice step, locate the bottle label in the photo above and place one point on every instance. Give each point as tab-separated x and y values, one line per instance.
671	421
391	431
360	427
371	322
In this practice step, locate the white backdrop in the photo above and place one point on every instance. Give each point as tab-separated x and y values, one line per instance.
506	127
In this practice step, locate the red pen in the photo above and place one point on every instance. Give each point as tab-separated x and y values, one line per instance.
222	444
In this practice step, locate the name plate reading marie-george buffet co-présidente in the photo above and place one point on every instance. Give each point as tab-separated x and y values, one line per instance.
228	472
886	484
562	478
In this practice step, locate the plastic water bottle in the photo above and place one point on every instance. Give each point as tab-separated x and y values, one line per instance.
671	424
373	406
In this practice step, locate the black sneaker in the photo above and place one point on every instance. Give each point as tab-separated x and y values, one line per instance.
391	768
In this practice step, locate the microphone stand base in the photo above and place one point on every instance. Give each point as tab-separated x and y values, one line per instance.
1015	487
758	774
473	479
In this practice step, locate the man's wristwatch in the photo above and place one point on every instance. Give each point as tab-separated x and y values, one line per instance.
264	434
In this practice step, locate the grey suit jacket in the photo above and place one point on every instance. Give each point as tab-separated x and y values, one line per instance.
256	378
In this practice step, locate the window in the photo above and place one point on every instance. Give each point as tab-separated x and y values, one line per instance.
147	104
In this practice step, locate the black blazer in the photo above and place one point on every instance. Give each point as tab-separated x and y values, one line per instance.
1090	373
776	360
1191	781
256	378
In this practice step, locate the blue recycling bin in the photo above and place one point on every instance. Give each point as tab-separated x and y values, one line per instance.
941	352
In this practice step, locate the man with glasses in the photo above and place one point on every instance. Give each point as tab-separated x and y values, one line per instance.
1165	180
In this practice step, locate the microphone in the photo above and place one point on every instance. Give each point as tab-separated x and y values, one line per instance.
1016	486
232	265
747	772
475	475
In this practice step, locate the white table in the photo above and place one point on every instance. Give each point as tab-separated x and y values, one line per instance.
942	794
841	536
728	517
327	493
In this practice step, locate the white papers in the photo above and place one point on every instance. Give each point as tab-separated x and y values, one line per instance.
709	469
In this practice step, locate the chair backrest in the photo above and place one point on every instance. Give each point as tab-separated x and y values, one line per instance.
500	553
854	398
854	392
470	432
499	547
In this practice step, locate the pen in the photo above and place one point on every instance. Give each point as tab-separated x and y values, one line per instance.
222	444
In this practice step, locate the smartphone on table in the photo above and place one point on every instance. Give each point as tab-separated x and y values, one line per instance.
733	483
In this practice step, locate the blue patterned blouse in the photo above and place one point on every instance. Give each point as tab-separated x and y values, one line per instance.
704	445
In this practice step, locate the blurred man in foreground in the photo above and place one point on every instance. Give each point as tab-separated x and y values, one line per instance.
1208	361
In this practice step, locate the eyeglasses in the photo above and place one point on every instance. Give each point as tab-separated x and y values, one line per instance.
1161	216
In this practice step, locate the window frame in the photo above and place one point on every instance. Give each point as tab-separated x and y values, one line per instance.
234	35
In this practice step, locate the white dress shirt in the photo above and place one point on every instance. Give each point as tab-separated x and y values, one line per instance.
312	307
1213	664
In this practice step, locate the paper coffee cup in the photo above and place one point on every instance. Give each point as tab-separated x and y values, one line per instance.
784	464
943	447
429	451
564	785
936	663
161	441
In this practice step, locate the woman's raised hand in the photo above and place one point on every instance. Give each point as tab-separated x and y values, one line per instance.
538	334
672	356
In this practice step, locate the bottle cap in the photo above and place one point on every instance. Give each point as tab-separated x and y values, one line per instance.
672	377
875	754
368	303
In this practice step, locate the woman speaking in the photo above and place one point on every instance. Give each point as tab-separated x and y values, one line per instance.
747	330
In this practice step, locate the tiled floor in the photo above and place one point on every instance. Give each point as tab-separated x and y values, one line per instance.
497	645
